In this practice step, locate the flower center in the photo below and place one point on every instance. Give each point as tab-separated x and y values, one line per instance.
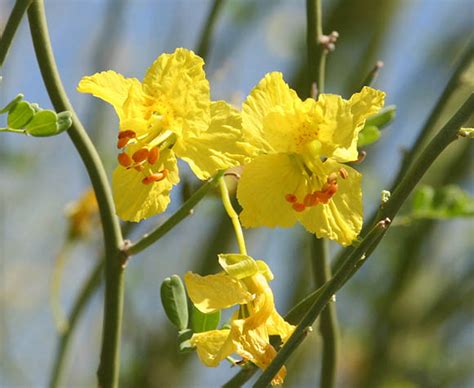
317	197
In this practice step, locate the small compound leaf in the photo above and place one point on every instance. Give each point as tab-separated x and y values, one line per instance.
20	115
443	203
383	118
12	104
44	123
201	322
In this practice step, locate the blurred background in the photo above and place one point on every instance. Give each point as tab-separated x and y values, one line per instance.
405	319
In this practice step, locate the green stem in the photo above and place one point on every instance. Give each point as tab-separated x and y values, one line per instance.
328	322
12	130
372	75
240	378
358	256
316	52
114	275
11	27
233	216
435	114
206	33
170	223
87	291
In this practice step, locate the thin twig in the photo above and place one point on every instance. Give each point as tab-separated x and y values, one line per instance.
11	27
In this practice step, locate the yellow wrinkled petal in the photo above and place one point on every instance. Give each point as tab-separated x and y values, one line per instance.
221	146
341	218
344	119
109	86
262	189
212	346
179	81
253	345
215	292
271	92
276	325
135	201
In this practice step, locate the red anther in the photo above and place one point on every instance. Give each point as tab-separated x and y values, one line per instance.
138	168
165	172
140	155
153	155
299	207
156	177
310	200
332	189
322	197
343	173
124	159
128	134
122	142
291	198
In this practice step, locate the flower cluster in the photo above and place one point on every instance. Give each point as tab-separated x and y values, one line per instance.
294	155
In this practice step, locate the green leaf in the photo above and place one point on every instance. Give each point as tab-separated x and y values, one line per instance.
201	322
12	104
174	300
184	337
369	134
44	123
442	203
20	115
64	121
383	118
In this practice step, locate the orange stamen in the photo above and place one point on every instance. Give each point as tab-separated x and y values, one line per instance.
140	155
153	155
299	207
343	173
310	200
128	134
124	159
156	177
121	143
139	168
332	178
291	198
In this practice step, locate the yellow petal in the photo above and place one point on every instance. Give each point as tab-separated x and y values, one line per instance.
276	325
212	346
109	86
341	218
262	189
178	80
134	200
253	345
215	292
271	93
219	147
344	119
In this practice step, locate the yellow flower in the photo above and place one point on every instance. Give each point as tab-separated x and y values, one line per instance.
244	282
299	175
168	115
82	215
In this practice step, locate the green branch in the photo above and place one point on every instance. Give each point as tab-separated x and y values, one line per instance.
11	27
316	52
206	33
113	303
358	256
170	223
328	322
87	291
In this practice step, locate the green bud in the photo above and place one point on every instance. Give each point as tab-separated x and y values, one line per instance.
20	115
174	300
369	134
383	118
201	322
64	121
